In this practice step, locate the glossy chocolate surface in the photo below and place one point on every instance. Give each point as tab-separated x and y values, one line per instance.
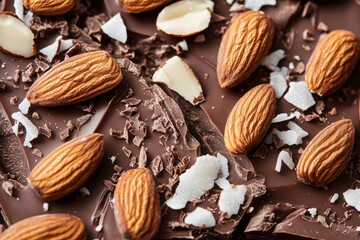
279	214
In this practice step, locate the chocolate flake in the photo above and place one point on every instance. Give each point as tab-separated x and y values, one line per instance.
8	187
14	100
37	152
45	130
143	157
131	101
156	165
2	84
82	120
126	151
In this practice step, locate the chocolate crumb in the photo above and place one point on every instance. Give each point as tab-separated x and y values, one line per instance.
322	220
82	120
45	130
2	84
37	152
126	151
14	100
200	38
8	188
131	101
35	115
300	68
64	134
260	152
320	107
156	165
333	112
70	125
133	162
322	27
143	157
308	35
42	66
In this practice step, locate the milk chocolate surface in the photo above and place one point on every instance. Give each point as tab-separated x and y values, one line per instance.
141	119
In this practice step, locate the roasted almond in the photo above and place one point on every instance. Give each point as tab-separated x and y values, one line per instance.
140	6
47	226
332	62
327	155
136	205
250	119
50	7
76	79
244	45
68	167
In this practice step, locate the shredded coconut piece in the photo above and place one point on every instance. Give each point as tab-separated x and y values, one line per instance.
65	44
298	130
224	168
229	1
195	181
312	211
257	4
98	228
115	28
24	106
358	228
184	46
200	217
31	130
278	82
284	156
45	207
51	50
272	60
352	198
282	117
299	96
231	198
28	18
222	183
334	198
19	9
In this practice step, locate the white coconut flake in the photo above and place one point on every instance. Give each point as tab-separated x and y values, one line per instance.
299	96
291	66
257	4
28	18
288	137
19	9
312	211
98	228
184	46
115	28
200	217
358	228
352	198
224	167
45	207
222	183
282	117
284	156
24	106
229	1
298	130
51	50
334	198
65	44
195	181
278	82
31	130
272	60
236	7
231	198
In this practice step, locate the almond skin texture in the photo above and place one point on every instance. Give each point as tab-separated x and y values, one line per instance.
244	45
140	6
76	79
50	7
250	119
332	62
136	205
68	167
327	154
47	226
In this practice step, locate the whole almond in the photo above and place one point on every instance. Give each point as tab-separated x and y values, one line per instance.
244	45
50	7
332	62
136	205
327	155
140	6
68	167
250	119
76	79
47	226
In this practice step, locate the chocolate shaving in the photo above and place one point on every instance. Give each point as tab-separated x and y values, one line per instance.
8	187
142	157
156	165
45	130
14	100
37	152
82	120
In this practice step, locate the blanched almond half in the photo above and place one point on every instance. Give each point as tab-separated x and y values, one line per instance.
179	77
15	37
185	18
